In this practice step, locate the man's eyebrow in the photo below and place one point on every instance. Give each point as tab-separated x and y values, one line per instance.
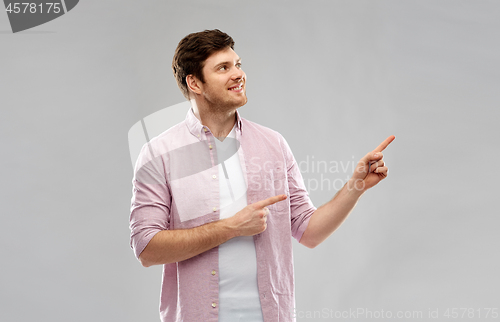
226	63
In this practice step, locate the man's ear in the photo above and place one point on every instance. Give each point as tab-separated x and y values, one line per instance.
193	84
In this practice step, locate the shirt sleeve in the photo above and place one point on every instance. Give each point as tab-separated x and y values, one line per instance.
151	199
301	207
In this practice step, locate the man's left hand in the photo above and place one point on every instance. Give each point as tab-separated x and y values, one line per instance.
371	169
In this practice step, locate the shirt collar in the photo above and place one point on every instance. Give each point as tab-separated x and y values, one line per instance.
196	128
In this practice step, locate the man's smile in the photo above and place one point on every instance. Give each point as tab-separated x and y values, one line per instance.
236	88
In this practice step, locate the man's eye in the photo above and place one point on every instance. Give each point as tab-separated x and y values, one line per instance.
222	68
238	65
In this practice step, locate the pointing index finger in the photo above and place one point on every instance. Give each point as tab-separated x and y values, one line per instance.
384	144
270	201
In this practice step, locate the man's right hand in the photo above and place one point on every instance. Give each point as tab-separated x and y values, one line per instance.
252	219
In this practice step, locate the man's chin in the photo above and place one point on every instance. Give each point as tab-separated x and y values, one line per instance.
244	102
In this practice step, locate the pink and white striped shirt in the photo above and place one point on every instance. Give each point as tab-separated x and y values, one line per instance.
176	186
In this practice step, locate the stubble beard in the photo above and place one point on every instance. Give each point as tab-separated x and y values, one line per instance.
220	105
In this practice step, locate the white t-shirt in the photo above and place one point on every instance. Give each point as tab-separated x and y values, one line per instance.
238	292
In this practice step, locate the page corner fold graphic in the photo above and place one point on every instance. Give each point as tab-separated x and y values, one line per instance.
27	15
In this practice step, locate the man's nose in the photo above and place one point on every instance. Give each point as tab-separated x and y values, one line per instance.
239	74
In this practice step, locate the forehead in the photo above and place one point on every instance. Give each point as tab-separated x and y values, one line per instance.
225	55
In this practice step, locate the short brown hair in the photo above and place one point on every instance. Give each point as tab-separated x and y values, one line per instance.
193	50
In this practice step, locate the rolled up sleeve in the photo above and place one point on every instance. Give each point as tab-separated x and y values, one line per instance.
151	200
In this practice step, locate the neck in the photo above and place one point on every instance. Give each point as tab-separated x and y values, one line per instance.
220	122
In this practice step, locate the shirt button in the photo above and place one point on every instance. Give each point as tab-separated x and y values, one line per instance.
214	176
214	208
214	305
210	146
205	129
213	272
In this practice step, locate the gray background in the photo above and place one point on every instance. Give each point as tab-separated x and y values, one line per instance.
334	77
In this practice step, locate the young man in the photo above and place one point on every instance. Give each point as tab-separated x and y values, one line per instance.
217	199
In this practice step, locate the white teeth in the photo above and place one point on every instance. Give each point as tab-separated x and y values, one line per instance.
235	88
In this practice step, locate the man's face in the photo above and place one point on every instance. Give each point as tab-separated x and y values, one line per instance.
225	81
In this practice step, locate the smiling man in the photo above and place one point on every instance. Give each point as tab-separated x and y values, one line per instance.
217	199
